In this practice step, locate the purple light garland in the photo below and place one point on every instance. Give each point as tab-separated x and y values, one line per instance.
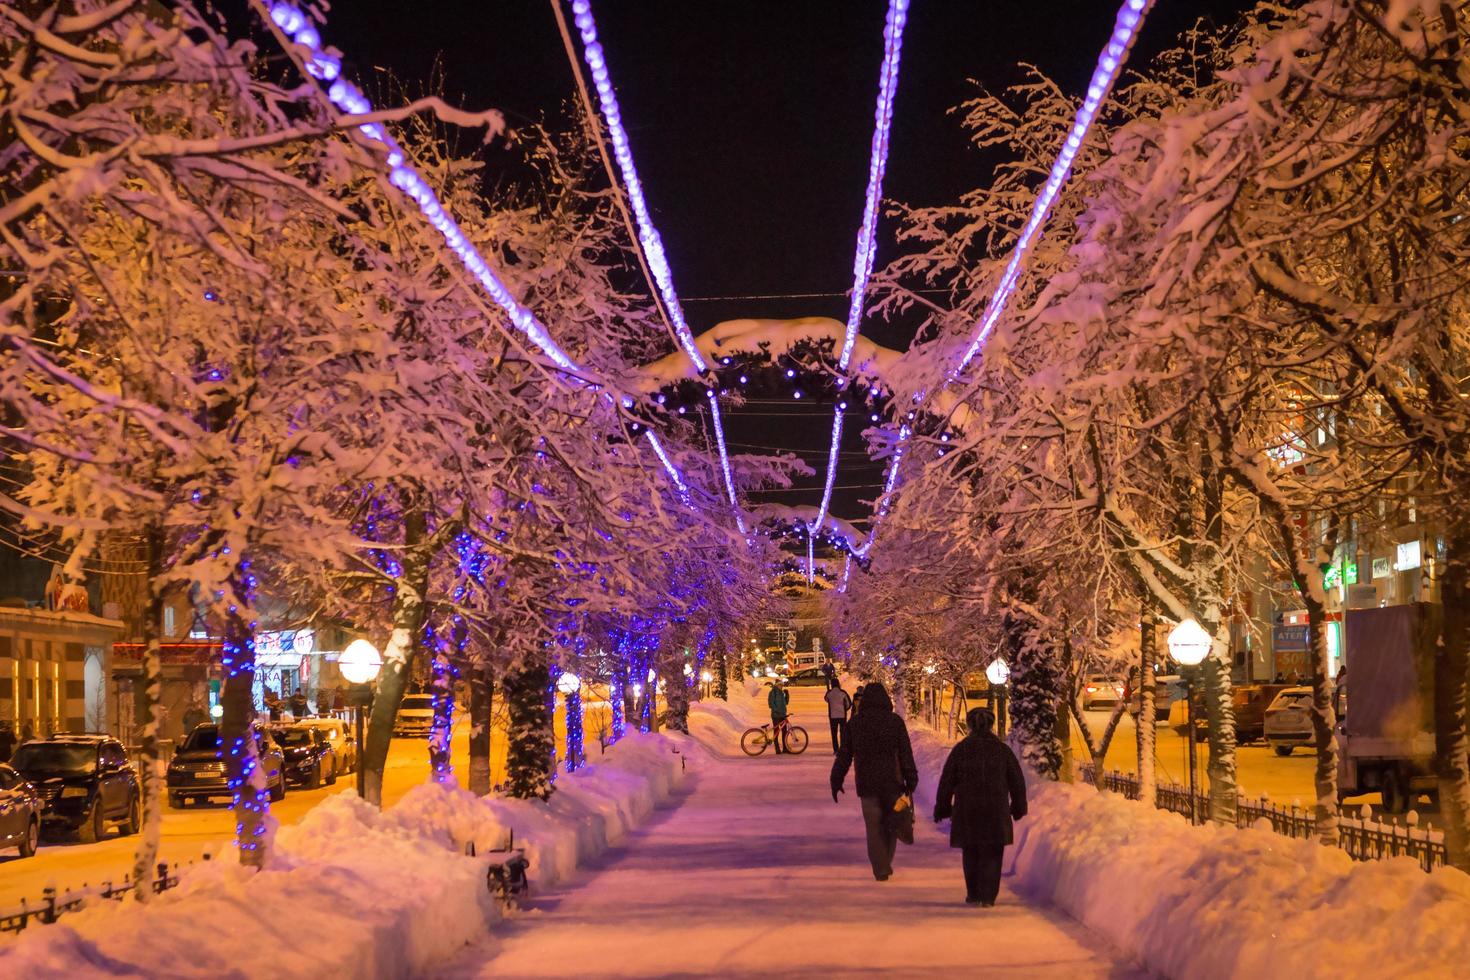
862	265
344	95
349	98
648	236
1109	65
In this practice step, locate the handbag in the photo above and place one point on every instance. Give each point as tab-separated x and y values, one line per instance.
898	819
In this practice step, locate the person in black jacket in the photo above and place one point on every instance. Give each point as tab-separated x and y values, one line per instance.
877	747
982	791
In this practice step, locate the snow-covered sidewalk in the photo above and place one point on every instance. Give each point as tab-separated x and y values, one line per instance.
754	872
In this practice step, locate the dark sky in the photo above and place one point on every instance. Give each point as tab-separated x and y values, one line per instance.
751	122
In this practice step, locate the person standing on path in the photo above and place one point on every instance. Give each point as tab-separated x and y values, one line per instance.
981	790
838	704
877	747
777	701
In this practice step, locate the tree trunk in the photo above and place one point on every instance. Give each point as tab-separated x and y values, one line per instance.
1146	731
254	828
409	611
442	687
145	861
617	696
1220	720
482	696
1324	717
1035	692
676	688
1452	658
530	740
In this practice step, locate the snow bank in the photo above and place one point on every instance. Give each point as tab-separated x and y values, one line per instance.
1212	902
1208	903
356	892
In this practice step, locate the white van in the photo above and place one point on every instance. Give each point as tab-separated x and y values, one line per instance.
811	658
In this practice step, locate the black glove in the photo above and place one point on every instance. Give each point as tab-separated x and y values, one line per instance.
835	791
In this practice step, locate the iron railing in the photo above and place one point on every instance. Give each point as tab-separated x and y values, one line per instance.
54	904
1362	837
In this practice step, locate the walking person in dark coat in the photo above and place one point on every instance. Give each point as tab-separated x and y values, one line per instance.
877	747
982	791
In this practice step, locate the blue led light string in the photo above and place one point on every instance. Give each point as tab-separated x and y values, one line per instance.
244	778
574	728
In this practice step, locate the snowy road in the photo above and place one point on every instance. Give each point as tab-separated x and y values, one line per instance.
755	873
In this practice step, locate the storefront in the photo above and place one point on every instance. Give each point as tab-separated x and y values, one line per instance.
53	665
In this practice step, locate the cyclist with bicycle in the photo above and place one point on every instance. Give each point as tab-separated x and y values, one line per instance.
777	701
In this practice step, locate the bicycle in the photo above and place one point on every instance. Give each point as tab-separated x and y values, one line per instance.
755	740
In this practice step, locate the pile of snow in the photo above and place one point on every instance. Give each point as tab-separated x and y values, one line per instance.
1206	902
1199	903
352	891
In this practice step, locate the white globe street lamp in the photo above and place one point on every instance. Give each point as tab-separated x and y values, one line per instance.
998	672
569	683
359	665
1189	645
360	662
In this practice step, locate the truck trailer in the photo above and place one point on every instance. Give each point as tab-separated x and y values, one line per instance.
1387	736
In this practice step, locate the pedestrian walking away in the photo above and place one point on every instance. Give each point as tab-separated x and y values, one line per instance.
838	705
777	701
981	792
878	750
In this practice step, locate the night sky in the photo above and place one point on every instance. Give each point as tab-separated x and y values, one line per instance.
751	124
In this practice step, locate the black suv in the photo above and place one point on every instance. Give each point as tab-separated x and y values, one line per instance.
197	771
310	760
85	782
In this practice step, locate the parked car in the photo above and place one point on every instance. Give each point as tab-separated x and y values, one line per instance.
415	715
344	744
308	755
1168	688
20	812
85	782
1101	691
197	771
808	676
1249	702
1289	720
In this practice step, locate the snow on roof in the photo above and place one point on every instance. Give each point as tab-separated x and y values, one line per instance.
771	338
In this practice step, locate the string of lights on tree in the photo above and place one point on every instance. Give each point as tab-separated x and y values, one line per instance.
243	778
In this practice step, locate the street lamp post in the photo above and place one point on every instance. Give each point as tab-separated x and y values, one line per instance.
999	675
1189	645
359	665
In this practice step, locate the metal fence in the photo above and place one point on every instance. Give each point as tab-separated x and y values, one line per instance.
53	905
1363	837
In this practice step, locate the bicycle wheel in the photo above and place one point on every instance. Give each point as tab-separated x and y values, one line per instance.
754	741
796	740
